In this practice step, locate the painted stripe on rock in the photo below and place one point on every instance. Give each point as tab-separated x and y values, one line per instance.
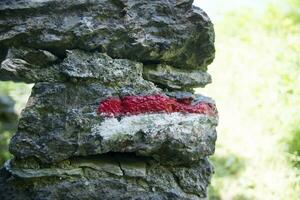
155	124
134	105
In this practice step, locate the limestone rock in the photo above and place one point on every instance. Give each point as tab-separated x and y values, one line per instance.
39	58
82	53
172	32
111	176
60	121
77	66
179	79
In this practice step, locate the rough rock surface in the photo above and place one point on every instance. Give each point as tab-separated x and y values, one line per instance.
177	79
172	32
81	53
113	176
77	130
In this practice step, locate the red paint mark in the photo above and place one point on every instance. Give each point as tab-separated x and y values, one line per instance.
111	107
133	105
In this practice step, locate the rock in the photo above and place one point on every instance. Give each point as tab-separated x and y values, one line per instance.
137	178
193	98
78	66
60	121
38	58
112	114
172	78
8	191
172	32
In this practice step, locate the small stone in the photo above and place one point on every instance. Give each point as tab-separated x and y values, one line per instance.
178	79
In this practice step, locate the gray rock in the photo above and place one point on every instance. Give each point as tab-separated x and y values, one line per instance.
172	32
80	53
33	66
140	178
8	191
39	58
179	79
60	121
78	66
27	65
19	70
194	98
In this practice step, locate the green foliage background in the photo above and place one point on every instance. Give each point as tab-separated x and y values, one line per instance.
256	83
257	88
20	93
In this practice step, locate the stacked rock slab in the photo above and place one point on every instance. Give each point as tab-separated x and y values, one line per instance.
82	53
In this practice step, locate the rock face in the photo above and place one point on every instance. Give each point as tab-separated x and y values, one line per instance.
172	32
112	114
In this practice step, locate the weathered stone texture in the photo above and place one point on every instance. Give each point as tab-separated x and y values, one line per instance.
176	79
79	53
171	32
114	176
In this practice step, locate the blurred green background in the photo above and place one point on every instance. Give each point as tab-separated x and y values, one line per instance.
19	92
256	84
